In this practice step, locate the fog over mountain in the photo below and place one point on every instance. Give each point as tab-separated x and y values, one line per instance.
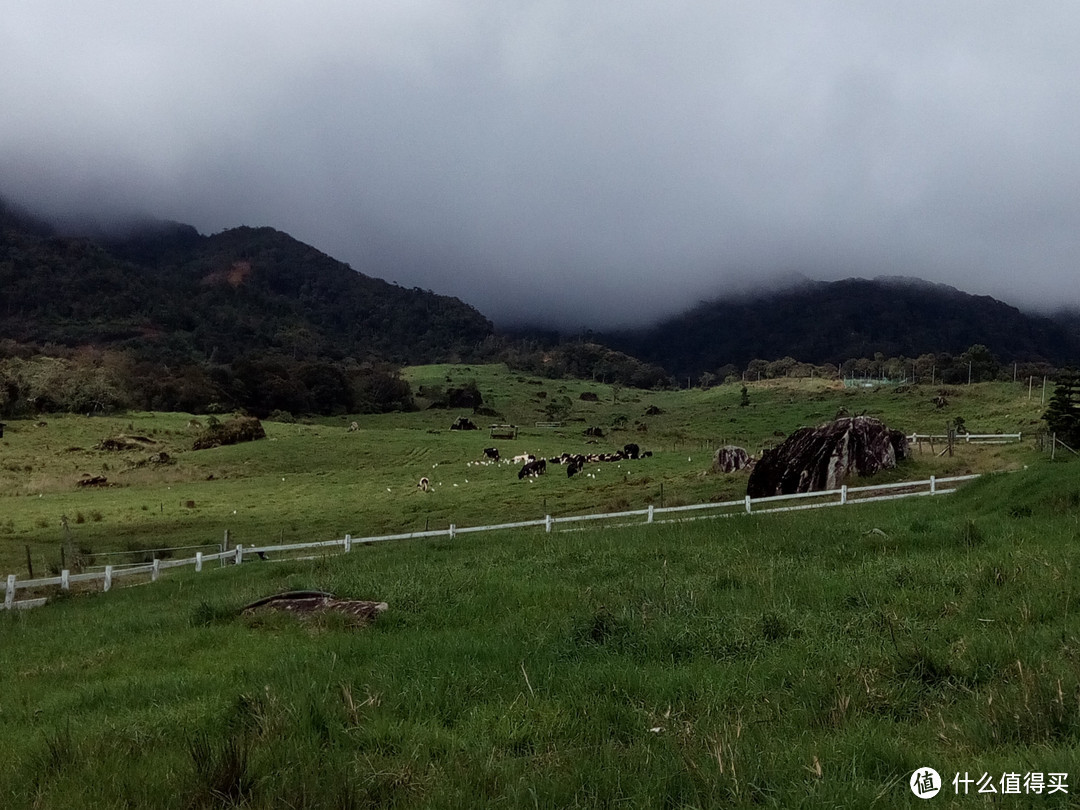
569	164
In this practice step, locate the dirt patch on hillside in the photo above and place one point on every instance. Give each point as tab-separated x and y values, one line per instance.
236	275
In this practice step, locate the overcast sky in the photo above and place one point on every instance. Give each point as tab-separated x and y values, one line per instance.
578	163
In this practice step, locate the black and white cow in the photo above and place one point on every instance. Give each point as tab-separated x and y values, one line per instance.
533	468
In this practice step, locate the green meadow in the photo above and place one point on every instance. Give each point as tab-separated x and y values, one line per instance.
811	659
316	480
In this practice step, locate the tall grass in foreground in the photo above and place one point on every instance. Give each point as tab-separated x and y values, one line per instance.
807	660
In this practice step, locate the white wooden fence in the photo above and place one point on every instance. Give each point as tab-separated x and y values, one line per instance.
969	438
806	500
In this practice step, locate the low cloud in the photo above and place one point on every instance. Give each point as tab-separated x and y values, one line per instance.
568	164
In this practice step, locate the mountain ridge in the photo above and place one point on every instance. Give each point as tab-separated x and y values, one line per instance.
833	321
161	280
167	294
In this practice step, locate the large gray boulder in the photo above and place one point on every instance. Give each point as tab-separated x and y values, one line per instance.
820	458
730	458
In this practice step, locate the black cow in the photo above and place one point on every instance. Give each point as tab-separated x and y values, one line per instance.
491	453
632	451
534	468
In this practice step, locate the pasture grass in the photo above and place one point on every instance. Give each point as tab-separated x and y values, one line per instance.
792	660
315	479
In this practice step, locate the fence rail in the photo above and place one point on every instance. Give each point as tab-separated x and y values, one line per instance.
969	438
815	500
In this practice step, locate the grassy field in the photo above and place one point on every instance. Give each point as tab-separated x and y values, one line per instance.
317	480
801	660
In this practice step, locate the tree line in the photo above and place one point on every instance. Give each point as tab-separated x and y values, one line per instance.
976	364
88	380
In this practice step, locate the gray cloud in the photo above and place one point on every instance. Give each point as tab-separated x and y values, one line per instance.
571	163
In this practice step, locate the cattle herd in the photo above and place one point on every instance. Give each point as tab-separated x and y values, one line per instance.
531	466
573	462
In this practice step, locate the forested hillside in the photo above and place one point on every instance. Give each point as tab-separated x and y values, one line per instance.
833	322
249	317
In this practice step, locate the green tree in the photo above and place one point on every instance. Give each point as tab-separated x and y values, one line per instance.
558	408
1063	412
981	363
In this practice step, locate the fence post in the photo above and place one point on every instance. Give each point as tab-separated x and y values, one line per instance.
453	531
843	494
933	484
155	572
9	595
547	523
748	504
650	513
108	578
348	543
239	560
65	580
198	561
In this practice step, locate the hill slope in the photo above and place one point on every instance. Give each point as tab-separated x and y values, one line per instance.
168	293
830	322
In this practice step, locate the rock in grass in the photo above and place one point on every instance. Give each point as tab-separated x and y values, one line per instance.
821	458
313	603
121	443
730	458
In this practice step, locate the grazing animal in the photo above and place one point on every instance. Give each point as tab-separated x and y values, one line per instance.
353	426
632	451
424	484
491	453
524	458
573	467
533	468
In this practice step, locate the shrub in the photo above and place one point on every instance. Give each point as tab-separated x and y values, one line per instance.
244	429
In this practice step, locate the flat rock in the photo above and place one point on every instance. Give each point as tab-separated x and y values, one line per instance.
311	603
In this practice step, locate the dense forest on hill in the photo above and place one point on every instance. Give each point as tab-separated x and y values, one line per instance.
248	318
834	322
171	294
164	318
